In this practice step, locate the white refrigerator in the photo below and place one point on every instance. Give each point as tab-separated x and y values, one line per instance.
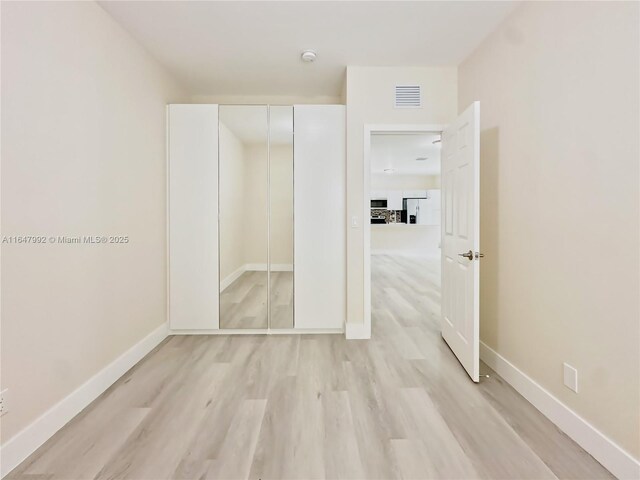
425	210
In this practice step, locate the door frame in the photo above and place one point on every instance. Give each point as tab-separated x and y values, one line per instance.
369	130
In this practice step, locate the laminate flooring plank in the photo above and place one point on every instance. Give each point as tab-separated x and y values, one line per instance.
563	456
234	460
275	441
497	452
433	440
81	455
156	447
373	429
341	454
313	406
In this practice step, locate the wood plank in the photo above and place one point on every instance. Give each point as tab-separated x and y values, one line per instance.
315	406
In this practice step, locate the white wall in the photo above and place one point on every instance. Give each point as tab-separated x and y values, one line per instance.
370	97
231	202
83	153
256	197
402	238
382	181
281	186
243	205
266	100
558	89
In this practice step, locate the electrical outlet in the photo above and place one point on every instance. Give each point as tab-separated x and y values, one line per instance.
570	377
4	401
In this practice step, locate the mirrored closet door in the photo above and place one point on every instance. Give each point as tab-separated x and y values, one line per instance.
281	217
243	216
256	216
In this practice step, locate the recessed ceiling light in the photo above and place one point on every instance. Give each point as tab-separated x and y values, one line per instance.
422	159
389	170
308	56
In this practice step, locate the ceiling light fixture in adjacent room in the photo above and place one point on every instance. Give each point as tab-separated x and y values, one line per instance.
389	170
435	142
422	159
308	56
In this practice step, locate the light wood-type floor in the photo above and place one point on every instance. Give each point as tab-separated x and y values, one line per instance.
306	407
243	304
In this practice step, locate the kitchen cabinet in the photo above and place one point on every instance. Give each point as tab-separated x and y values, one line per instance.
414	194
394	200
378	194
431	211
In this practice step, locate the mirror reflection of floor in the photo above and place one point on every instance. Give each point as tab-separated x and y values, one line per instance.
243	304
281	299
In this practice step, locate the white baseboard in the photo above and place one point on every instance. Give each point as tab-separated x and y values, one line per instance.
253	267
281	267
27	441
262	267
602	448
232	277
260	331
358	331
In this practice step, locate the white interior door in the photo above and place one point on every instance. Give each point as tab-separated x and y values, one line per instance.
319	216
461	238
193	216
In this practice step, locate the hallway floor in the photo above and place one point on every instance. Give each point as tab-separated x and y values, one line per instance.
315	406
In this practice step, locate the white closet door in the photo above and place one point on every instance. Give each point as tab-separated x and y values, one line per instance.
193	216
319	216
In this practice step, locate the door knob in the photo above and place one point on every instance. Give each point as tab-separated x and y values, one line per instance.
470	255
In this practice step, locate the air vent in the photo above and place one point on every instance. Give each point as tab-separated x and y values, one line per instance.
408	96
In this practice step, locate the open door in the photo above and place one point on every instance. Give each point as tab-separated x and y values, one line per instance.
461	238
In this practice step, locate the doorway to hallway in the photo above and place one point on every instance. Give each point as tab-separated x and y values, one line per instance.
405	232
393	156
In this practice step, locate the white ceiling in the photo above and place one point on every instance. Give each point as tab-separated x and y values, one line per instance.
399	152
253	48
250	124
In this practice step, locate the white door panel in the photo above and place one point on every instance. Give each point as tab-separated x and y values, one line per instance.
193	216
319	216
460	235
